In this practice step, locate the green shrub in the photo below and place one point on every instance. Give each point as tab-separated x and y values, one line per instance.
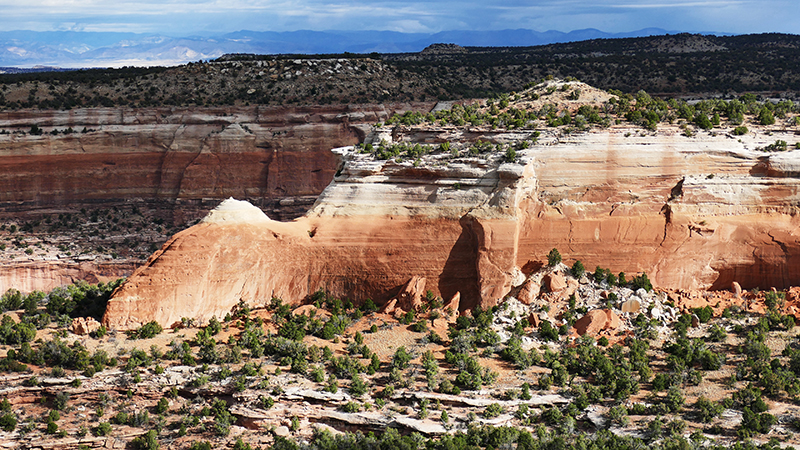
577	269
765	117
357	386
162	406
8	422
716	333
147	441
640	282
707	410
619	415
741	130
103	429
149	330
401	358
755	423
553	258
351	407
704	314
674	400
492	411
547	331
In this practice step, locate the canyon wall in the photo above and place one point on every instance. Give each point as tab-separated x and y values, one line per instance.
692	212
177	162
276	157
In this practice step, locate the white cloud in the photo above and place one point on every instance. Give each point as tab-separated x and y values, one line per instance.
187	16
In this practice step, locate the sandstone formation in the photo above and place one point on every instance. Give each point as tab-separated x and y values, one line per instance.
695	212
179	162
277	157
46	275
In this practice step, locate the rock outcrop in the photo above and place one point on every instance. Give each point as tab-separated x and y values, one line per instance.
695	212
46	275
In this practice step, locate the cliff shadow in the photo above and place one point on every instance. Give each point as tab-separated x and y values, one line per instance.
760	275
460	271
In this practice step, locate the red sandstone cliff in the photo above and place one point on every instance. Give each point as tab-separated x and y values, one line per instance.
264	154
692	212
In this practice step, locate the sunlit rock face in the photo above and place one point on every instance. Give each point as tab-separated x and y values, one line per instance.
697	212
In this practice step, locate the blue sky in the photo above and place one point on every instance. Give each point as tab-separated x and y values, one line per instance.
186	17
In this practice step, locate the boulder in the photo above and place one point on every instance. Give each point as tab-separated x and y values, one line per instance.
572	287
84	325
631	306
555	282
597	320
412	293
592	323
613	321
453	304
736	289
529	291
390	306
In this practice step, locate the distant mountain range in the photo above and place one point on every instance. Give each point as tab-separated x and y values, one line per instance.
94	49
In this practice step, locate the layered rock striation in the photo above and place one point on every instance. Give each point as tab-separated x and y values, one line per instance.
692	212
276	157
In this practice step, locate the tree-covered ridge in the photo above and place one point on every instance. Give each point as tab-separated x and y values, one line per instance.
680	65
555	103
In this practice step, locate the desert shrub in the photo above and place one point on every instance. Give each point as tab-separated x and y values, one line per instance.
707	410
704	314
577	269
149	330
618	415
13	333
640	282
547	331
755	423
8	422
553	258
740	130
419	326
357	386
674	400
214	326
369	306
103	429
351	407
162	406
401	358
200	445
750	397
147	441
773	299
492	411
716	333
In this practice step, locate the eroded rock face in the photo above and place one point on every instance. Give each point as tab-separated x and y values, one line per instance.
629	203
178	155
46	275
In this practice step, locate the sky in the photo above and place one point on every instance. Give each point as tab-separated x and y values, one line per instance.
208	17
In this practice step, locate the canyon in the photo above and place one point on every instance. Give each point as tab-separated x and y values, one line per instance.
693	212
